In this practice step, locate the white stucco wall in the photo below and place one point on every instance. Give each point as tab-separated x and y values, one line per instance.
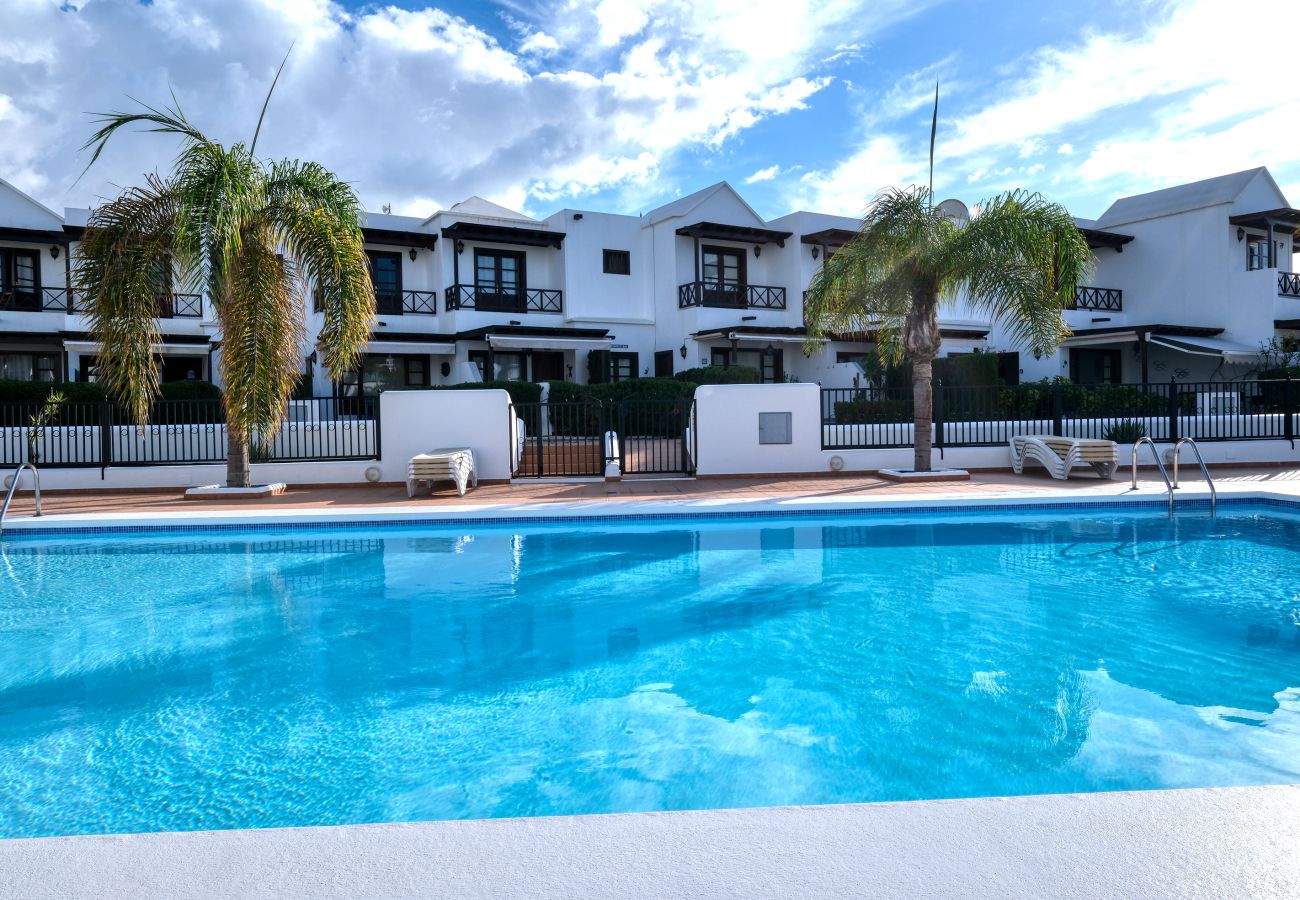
415	422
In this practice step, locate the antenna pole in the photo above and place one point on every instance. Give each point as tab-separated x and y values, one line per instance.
934	127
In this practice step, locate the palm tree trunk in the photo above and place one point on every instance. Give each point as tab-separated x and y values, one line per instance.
237	462
922	413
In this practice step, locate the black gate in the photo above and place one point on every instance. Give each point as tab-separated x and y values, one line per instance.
560	439
581	438
656	437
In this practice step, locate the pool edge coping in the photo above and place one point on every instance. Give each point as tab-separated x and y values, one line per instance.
552	513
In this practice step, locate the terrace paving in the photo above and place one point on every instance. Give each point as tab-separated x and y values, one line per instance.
1034	483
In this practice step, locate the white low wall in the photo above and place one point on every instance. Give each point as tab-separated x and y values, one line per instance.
727	426
414	422
341	472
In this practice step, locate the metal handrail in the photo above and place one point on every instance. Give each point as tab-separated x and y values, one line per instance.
1214	494
1155	453
13	486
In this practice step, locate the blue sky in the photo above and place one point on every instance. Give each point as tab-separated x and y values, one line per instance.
621	105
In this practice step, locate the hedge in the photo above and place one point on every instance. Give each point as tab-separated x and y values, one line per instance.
721	375
519	391
35	392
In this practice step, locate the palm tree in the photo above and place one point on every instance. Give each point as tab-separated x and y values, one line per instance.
252	235
1019	260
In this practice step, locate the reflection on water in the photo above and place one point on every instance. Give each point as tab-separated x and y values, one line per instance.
235	680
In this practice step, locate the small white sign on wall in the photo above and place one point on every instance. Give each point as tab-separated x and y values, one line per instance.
775	428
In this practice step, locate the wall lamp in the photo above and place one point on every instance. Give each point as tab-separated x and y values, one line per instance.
460	247
413	254
816	252
682	349
54	252
1241	235
758	251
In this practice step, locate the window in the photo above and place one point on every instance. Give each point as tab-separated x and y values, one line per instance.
29	366
389	372
1257	252
1090	366
618	262
724	276
768	362
20	285
622	366
499	280
386	276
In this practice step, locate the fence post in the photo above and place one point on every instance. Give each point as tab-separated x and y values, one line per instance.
936	415
1288	410
105	436
1058	409
1173	410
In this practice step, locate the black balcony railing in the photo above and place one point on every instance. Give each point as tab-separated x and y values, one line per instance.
1288	284
730	296
180	306
44	300
1107	299
468	296
406	303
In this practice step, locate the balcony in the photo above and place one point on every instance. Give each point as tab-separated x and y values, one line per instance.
45	300
730	296
180	306
406	303
1288	284
1106	299
528	300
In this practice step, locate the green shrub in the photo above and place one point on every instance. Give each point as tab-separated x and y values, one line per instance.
519	391
190	390
721	375
867	412
1125	432
36	392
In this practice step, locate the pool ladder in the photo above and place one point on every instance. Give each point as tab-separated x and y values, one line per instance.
13	486
1171	486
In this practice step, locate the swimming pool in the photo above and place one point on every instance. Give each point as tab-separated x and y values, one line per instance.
243	679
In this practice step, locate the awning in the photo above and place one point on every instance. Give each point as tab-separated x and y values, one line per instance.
760	337
163	349
435	348
503	234
741	233
516	342
1094	340
1208	346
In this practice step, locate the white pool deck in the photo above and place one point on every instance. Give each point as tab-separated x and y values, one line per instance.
1215	843
1222	842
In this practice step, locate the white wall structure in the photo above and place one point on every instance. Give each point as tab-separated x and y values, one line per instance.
1182	290
414	422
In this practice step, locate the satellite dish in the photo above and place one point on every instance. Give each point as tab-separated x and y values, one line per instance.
956	210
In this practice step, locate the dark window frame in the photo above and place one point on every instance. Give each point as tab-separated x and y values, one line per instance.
55	361
389	305
521	268
9	275
720	291
634	365
1115	358
616	262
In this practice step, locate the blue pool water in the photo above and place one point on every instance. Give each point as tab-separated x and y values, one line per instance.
245	679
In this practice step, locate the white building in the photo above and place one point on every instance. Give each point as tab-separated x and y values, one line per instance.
1190	281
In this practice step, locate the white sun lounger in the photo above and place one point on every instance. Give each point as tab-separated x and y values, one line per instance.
448	464
1060	454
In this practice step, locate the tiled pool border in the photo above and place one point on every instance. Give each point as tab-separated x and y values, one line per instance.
808	508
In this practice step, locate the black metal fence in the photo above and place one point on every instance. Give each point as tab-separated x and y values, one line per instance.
580	438
184	432
991	415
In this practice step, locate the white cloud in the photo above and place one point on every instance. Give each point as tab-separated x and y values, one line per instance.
764	175
1180	96
419	103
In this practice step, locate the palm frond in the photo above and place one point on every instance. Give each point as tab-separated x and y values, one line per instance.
262	329
122	273
168	120
1020	261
